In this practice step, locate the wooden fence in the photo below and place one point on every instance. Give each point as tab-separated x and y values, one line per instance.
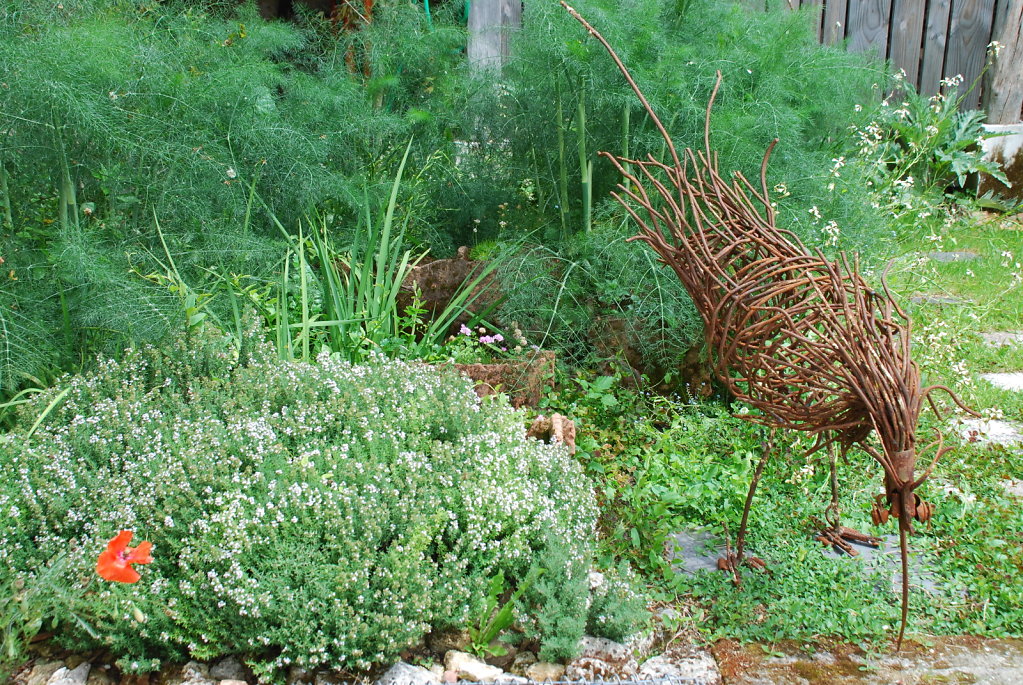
931	40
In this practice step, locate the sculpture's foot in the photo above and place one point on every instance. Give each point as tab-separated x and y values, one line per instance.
731	564
840	538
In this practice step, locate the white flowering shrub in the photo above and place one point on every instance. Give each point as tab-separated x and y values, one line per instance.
313	514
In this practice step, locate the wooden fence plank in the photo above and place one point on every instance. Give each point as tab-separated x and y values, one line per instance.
968	36
935	36
1003	94
814	9
868	25
834	21
907	37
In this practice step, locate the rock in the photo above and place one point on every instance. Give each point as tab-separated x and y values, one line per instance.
1005	381
509	679
991	431
469	667
544	670
407	674
693	550
438	671
1012	487
100	676
600	658
557	429
1003	338
229	668
444	641
936	299
232	681
76	676
328	679
299	676
522	662
41	672
946	257
195	673
696	666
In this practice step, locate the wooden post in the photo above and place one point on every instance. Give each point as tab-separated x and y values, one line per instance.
490	25
968	36
1003	91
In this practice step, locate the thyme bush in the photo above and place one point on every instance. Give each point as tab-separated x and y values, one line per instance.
318	514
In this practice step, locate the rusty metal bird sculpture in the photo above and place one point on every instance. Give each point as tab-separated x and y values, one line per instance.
801	338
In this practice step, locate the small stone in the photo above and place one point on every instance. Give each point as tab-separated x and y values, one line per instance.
232	681
75	676
438	671
693	550
600	658
41	672
444	641
697	666
407	674
991	431
1012	487
946	257
450	676
936	299
328	679
299	676
1003	338
522	662
1005	381
229	668
195	673
557	429
544	670
469	667
100	676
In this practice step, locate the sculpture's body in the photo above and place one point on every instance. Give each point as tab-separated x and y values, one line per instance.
803	339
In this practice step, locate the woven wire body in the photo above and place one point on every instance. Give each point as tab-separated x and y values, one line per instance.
801	338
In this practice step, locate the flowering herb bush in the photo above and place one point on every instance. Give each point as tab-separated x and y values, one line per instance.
317	514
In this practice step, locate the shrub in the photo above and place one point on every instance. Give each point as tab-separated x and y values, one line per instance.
319	514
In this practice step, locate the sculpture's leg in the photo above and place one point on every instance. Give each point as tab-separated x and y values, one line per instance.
733	561
833	532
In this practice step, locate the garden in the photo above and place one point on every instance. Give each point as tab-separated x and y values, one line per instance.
280	299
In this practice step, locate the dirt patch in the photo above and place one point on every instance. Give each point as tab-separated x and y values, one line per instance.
963	659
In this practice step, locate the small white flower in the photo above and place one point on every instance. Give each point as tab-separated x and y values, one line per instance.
231	173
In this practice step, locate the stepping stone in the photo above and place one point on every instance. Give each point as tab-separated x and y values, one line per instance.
1003	338
936	299
1013	487
946	257
887	559
995	432
694	550
1005	381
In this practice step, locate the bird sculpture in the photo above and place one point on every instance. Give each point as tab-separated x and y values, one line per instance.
801	338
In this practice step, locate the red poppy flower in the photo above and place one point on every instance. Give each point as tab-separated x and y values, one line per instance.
115	563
